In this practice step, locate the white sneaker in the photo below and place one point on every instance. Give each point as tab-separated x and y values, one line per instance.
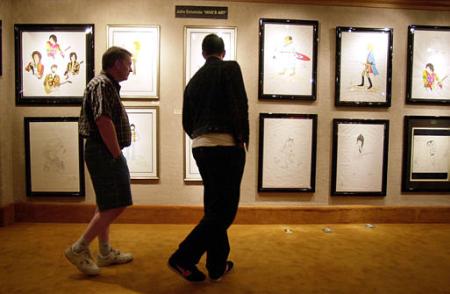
83	261
114	257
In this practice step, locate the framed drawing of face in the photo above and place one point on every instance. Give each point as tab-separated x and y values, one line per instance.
193	37
54	157
287	59
363	67
360	156
426	154
193	60
428	67
191	172
143	43
287	152
142	154
53	62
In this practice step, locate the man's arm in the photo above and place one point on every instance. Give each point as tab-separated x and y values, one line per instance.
108	133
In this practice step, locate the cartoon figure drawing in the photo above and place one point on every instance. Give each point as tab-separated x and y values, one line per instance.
52	80
286	157
370	67
131	150
54	156
53	47
35	66
432	150
287	56
73	67
136	50
360	142
430	78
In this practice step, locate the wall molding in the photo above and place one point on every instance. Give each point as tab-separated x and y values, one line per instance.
7	215
393	4
155	214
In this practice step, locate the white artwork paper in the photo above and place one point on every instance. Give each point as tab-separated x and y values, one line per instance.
431	65
360	157
141	155
363	75
191	169
288	59
46	63
143	43
287	153
54	157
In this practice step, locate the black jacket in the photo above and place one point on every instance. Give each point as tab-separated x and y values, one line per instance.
215	101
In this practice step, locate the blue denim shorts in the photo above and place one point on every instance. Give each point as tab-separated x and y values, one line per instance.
110	177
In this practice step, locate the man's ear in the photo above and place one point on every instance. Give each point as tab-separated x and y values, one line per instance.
204	54
223	54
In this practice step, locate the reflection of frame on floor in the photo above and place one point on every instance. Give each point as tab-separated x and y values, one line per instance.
287	59
191	172
193	37
287	152
426	154
428	70
53	62
143	43
142	154
54	157
360	156
363	67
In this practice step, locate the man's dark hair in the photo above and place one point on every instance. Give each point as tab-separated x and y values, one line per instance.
112	55
213	44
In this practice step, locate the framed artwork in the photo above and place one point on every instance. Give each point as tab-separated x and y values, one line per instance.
143	43
191	172
287	59
53	62
426	154
193	37
287	152
54	157
360	157
142	154
363	67
428	67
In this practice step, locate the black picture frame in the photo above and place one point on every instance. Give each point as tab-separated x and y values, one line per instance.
355	85
39	142
418	163
350	164
306	84
289	155
49	81
418	63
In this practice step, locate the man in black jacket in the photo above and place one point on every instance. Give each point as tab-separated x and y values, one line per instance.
215	116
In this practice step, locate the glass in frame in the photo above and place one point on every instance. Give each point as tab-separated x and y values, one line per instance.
54	62
363	66
287	59
287	152
360	157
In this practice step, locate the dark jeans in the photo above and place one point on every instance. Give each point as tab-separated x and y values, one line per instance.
221	169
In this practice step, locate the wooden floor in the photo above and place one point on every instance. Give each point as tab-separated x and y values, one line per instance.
390	258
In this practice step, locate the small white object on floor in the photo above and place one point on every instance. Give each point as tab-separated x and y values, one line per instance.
327	230
288	231
370	226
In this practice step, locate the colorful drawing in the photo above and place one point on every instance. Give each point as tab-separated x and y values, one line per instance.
53	47
369	67
430	78
136	50
73	67
35	66
287	56
52	80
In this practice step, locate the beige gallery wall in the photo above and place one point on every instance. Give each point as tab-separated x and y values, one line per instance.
171	189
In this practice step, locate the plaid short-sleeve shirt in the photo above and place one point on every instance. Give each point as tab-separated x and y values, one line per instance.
101	97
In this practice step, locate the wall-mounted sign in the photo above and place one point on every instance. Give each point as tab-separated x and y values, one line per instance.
201	12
